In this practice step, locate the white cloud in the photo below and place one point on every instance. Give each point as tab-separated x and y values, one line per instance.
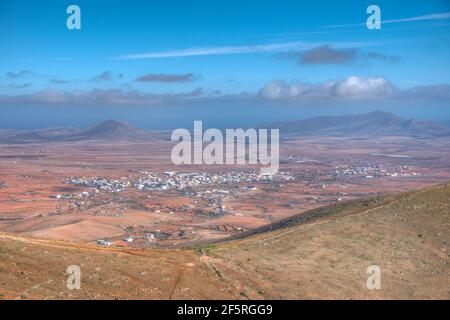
99	97
353	87
280	89
375	87
274	47
261	48
433	16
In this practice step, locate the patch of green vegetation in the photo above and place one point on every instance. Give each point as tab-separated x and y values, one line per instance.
208	249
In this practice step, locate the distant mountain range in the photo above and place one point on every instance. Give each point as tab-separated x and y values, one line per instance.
109	130
373	123
376	123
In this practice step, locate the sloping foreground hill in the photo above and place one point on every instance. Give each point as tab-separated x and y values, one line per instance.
406	235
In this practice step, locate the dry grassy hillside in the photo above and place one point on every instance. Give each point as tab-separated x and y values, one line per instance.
408	238
406	235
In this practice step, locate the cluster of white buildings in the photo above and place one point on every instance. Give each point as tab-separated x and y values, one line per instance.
102	184
356	170
296	159
149	181
104	243
371	171
179	181
194	185
81	195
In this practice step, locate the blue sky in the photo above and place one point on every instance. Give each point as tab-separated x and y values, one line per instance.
162	64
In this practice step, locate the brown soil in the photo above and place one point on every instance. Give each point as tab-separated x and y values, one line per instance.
407	235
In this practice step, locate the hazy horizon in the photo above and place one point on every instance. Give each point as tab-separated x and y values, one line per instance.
33	123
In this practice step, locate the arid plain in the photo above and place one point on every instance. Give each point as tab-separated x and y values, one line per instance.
90	191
